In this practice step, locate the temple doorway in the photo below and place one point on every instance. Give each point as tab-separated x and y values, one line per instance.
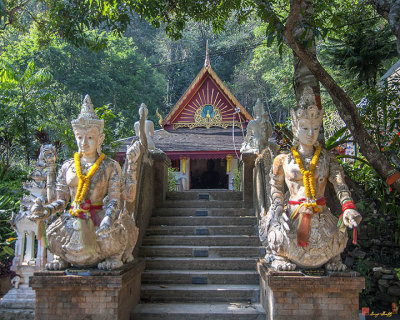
208	174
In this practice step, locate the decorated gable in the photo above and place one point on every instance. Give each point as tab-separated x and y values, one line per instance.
207	103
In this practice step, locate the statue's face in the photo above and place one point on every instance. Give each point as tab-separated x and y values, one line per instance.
88	139
307	131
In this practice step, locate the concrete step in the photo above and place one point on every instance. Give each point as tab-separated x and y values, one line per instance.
203	221
193	212
202	230
198	311
201	204
202	194
202	251
200	293
172	263
226	240
200	277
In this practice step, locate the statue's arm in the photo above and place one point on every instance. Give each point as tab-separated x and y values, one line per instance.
113	205
351	217
337	178
277	178
249	132
62	191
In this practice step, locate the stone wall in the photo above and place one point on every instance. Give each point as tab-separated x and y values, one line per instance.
108	295
292	295
376	256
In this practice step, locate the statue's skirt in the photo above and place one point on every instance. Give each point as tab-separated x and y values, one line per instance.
75	241
325	240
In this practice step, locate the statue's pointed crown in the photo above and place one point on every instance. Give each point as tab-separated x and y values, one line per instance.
258	109
88	118
308	107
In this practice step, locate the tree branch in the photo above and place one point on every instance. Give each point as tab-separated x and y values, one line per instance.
390	11
11	13
345	106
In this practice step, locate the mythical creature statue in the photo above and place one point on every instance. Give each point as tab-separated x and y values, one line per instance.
258	130
97	230
148	128
303	232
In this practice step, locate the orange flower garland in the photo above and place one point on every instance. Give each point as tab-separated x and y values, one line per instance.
308	176
84	182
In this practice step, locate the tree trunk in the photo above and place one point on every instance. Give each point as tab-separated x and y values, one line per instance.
303	77
345	106
390	11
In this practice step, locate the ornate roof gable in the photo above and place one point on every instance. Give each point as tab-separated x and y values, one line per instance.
206	103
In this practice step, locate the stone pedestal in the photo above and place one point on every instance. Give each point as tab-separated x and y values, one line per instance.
100	295
293	295
19	302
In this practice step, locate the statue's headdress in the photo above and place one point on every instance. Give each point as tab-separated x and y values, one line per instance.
308	107
143	111
88	118
258	109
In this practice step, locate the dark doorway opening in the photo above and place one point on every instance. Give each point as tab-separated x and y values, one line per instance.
208	174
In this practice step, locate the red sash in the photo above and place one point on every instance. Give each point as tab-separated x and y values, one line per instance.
88	207
303	229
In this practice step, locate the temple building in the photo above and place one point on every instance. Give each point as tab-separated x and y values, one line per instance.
203	133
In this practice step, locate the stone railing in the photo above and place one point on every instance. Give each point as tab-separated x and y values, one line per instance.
151	191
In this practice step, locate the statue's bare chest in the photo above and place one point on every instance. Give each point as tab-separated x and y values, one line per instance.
100	176
293	172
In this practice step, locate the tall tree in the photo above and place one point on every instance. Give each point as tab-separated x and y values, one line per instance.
24	98
71	19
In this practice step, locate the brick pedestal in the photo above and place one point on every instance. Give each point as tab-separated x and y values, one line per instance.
101	295
292	295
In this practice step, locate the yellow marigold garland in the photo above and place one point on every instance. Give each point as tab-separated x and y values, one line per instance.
84	182
308	176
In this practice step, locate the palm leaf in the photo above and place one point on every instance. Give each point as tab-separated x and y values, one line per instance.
334	138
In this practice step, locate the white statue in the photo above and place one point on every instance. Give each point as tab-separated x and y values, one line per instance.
312	236
258	131
97	230
30	248
148	127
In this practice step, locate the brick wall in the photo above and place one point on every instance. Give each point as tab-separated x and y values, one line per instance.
101	296
291	295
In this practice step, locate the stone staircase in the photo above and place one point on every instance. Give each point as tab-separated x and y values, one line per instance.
201	250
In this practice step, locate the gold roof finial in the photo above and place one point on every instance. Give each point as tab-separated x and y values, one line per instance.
160	121
207	61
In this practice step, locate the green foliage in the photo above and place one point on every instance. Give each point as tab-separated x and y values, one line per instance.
237	179
340	137
7	234
375	187
363	266
171	179
361	51
380	114
267	74
397	273
25	93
